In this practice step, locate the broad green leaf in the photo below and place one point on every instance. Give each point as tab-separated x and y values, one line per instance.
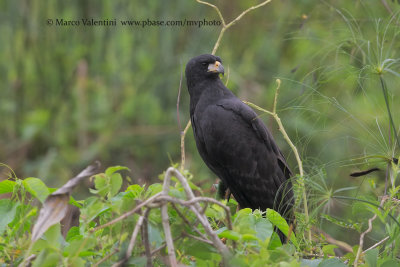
111	170
274	242
199	249
101	184
391	263
229	234
8	209
334	262
371	257
78	246
248	237
46	259
6	186
310	263
276	219
53	235
116	183
328	250
263	229
36	187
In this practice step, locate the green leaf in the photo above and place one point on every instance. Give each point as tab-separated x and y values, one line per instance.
329	250
391	263
36	188
78	246
72	233
199	249
229	234
6	186
8	209
334	262
101	185
371	257
116	183
263	229
248	237
134	191
46	259
153	189
111	170
310	263
53	235
277	220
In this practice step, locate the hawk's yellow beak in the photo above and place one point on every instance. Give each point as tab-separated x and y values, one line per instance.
216	67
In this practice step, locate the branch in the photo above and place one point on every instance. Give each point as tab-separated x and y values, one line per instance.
129	213
196	210
377	244
227	26
145	239
183	134
165	223
362	236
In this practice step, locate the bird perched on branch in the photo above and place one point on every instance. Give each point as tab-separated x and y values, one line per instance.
234	143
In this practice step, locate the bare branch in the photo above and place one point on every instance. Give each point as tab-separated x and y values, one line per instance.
199	238
216	9
245	12
145	239
362	236
165	221
196	200
377	244
178	100
129	213
183	134
116	250
187	221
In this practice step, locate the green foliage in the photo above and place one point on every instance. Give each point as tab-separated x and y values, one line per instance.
250	238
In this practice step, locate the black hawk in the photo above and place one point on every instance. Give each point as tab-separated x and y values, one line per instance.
234	143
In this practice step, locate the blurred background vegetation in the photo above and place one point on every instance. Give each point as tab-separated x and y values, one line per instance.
71	95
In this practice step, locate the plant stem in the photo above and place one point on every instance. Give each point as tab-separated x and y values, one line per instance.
391	122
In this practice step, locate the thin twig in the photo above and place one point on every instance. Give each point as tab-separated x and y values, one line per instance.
198	238
165	223
116	250
145	238
227	26
193	226
163	246
129	213
138	226
196	200
183	134
362	236
343	245
377	244
178	100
